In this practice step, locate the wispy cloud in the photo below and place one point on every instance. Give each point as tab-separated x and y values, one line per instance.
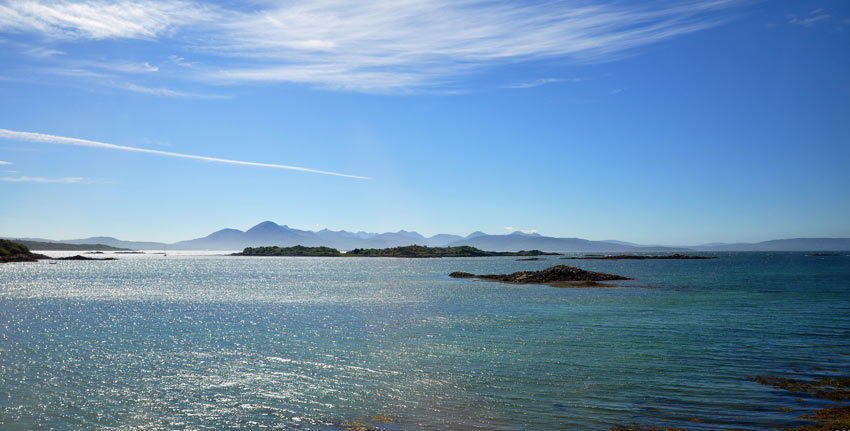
100	19
123	66
4	163
811	19
405	44
539	82
62	140
167	92
38	51
373	45
513	229
66	180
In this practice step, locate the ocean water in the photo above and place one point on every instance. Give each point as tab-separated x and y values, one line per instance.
189	342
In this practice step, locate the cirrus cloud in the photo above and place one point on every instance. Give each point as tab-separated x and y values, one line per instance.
63	140
372	46
25	179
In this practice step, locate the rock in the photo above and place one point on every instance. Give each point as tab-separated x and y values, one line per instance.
556	275
78	257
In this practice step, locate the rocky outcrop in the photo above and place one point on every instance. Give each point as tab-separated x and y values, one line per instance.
78	257
558	275
11	251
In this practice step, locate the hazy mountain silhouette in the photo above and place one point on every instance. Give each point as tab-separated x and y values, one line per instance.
793	244
269	233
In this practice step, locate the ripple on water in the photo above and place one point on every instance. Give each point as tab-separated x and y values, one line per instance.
212	343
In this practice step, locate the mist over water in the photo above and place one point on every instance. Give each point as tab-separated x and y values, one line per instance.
219	342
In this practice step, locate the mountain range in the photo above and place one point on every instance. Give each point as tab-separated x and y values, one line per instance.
270	233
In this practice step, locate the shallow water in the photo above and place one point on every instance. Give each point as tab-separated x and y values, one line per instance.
219	342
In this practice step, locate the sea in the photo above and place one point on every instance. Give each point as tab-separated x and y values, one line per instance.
204	341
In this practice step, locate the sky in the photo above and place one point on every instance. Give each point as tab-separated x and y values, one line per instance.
656	122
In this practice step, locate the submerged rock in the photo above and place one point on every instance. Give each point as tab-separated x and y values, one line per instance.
558	275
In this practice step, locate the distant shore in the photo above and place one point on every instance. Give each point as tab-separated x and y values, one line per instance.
411	251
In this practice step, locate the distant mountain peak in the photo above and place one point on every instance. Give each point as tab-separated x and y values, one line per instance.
264	225
475	234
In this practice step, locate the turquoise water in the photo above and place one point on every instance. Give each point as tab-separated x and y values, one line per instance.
215	342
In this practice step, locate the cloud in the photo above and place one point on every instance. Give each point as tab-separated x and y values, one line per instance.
166	92
377	45
813	18
513	229
62	140
124	66
38	51
4	163
66	180
373	45
539	82
100	19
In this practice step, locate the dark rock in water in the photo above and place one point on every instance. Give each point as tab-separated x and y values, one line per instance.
824	254
825	388
78	257
558	275
31	257
836	389
529	259
637	257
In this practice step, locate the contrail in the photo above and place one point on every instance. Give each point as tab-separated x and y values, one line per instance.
62	140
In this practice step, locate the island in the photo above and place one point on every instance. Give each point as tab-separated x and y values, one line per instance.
11	251
298	250
78	257
636	257
557	276
61	246
419	251
410	251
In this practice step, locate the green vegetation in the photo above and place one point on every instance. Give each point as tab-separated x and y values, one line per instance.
410	251
12	248
417	251
532	253
11	251
298	250
421	251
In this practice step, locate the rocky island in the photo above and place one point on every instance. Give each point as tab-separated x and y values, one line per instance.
297	250
419	251
11	251
410	251
78	257
636	257
557	276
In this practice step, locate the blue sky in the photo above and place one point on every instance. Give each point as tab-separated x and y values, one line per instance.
675	122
